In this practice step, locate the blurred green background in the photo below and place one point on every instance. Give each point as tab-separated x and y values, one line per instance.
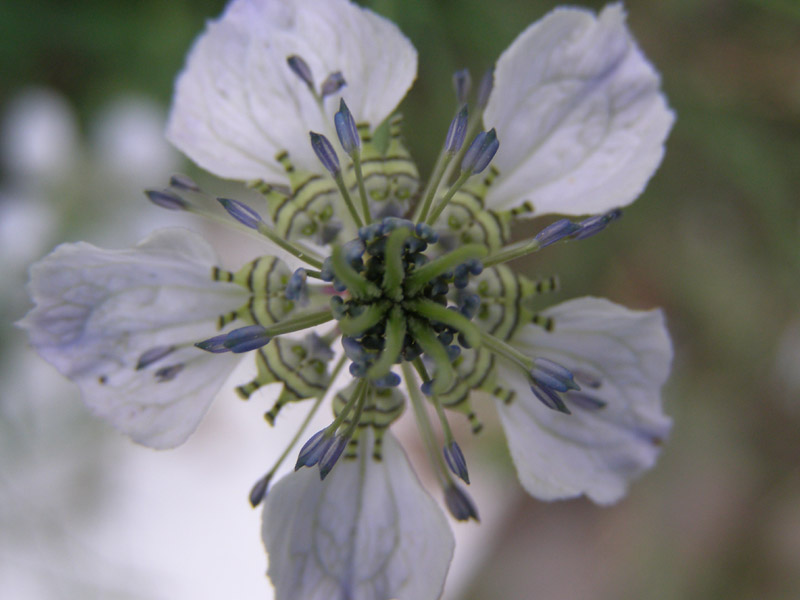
713	240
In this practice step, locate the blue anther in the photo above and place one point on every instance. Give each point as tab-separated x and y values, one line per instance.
462	83
241	212
485	88
596	224
481	152
418	260
300	68
459	503
549	398
457	132
153	355
585	401
313	450
215	345
470	305
339	286
332	454
332	84
325	153
246	339
426	388
166	199
414	244
353	250
346	129
556	232
455	460
553	375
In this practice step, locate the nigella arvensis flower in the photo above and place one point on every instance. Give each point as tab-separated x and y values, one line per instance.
375	291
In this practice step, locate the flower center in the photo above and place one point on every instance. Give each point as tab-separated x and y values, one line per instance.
397	306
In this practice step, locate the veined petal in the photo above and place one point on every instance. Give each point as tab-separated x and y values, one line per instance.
362	534
237	103
620	357
100	314
579	114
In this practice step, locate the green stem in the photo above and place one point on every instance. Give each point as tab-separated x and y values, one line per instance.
507	351
436	312
355	398
448	433
347	199
371	316
417	280
424	427
511	252
352	279
448	196
444	374
395	336
362	191
394	269
302	321
433	184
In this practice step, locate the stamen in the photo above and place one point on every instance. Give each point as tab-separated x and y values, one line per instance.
459	503
300	68
325	153
481	152
241	212
357	285
395	335
436	312
184	182
455	460
423	275
485	88
166	199
462	82
153	355
346	129
444	375
332	84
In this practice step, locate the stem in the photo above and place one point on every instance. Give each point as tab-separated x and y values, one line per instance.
303	321
511	252
395	336
448	433
356	397
433	183
352	279
444	374
417	280
449	196
362	191
347	199
393	258
436	312
507	351
371	316
425	428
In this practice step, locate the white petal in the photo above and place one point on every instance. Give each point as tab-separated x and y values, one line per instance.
368	532
592	451
237	104
578	113
97	311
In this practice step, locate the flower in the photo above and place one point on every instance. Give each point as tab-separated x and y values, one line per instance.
407	285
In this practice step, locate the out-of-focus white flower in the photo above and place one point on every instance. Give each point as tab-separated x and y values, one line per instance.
407	284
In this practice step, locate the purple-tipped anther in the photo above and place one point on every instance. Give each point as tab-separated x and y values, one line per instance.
166	199
153	355
555	232
346	129
246	339
325	153
596	224
455	460
481	152
457	132
241	212
313	450
300	68
459	503
332	454
462	83
332	84
485	88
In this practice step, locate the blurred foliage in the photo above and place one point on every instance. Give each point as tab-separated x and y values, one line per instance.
714	240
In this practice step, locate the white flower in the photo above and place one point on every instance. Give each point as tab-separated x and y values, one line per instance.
577	126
